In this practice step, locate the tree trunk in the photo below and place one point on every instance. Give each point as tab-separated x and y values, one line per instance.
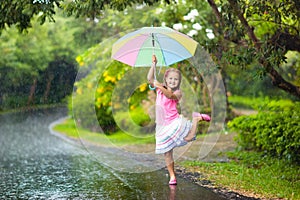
279	82
31	93
48	88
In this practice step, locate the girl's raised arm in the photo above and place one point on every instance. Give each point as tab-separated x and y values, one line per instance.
151	72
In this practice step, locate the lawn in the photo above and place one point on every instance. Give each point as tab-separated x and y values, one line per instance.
119	138
252	174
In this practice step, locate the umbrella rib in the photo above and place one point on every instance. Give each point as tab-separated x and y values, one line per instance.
161	50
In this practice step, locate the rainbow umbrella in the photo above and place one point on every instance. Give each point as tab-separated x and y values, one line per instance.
169	46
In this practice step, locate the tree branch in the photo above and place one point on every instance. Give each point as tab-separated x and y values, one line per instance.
279	82
216	11
244	22
277	79
286	40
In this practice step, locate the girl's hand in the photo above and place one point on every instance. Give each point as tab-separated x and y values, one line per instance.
154	59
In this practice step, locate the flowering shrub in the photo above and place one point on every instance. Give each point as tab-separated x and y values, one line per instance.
94	93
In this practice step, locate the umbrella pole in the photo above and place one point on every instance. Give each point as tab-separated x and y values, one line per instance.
154	69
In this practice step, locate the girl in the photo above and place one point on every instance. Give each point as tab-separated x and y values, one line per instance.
172	130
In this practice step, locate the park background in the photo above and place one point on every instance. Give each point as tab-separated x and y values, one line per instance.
255	46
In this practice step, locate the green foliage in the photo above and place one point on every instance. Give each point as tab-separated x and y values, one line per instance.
274	130
139	116
249	172
259	103
275	25
250	81
193	17
134	122
92	65
39	63
262	46
94	8
104	92
20	13
103	97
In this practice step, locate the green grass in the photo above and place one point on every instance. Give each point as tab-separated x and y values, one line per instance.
119	138
257	103
254	174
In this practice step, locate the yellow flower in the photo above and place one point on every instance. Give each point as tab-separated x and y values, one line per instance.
98	99
105	73
79	91
143	87
79	59
132	107
89	85
119	77
107	78
100	90
113	79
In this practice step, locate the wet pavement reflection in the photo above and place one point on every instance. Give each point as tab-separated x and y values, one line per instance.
37	165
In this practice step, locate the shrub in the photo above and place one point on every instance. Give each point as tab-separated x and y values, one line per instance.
102	89
275	130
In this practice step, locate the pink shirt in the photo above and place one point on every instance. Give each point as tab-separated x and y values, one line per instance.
166	110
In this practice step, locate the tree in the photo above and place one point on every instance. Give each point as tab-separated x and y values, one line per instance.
246	32
261	32
38	66
21	12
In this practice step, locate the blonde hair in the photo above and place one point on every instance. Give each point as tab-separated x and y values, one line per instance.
167	73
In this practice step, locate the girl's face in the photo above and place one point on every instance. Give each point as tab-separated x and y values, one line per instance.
172	80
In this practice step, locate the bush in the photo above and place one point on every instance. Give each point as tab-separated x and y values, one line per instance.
104	88
274	130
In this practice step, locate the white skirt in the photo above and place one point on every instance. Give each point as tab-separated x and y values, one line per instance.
172	135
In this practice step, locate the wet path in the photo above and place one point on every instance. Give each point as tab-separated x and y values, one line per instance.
37	165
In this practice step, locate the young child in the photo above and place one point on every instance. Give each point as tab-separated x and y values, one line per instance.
172	130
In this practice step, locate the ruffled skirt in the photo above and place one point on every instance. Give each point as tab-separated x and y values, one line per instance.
172	135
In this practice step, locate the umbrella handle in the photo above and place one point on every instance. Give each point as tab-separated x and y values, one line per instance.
154	71
153	42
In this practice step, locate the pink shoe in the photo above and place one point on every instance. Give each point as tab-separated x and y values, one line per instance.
205	117
173	182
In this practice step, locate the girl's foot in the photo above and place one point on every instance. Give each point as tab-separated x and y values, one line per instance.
204	117
173	182
190	138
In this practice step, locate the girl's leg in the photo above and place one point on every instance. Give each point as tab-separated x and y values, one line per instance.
170	164
192	132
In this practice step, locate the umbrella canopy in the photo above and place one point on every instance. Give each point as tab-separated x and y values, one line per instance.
169	46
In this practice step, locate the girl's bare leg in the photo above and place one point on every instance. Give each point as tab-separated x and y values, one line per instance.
170	164
192	132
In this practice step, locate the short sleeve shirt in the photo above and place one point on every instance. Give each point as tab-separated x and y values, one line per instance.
166	110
